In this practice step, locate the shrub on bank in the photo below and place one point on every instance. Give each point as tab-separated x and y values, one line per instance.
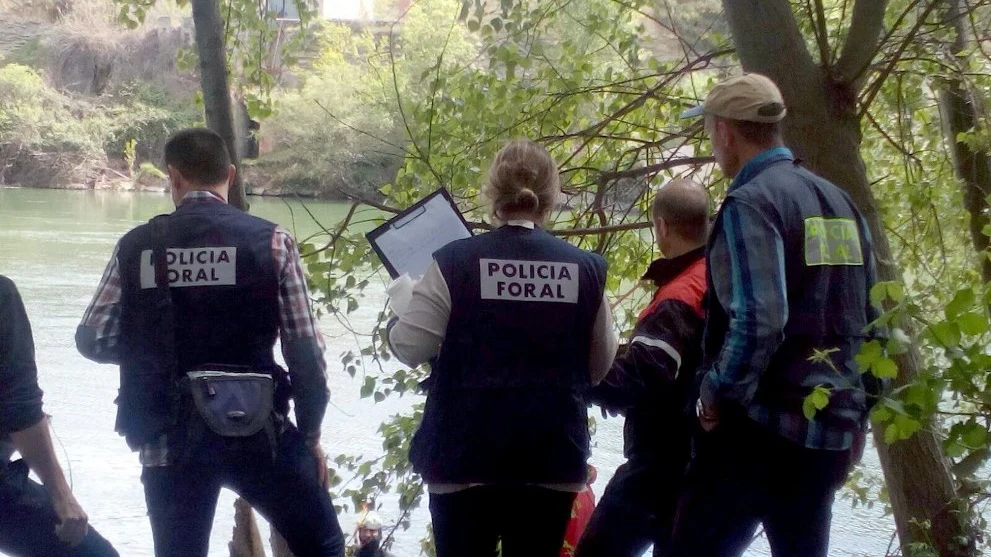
54	139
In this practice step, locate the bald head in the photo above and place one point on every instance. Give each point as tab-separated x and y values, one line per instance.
684	206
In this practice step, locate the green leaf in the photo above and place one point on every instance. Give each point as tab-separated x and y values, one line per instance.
952	449
918	395
973	323
884	368
882	413
891	433
974	435
896	292
971	463
368	387
869	353
964	300
816	400
907	425
879	293
946	333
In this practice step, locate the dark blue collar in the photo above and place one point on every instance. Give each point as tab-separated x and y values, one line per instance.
755	165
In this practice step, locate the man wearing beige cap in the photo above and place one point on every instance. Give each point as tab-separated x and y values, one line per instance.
790	268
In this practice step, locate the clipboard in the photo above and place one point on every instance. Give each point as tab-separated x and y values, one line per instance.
406	242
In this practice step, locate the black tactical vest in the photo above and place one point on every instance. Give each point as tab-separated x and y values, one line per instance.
224	291
506	402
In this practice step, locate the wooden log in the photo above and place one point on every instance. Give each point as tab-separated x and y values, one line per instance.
246	540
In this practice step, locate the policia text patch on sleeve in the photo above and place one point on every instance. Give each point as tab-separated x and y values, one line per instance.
529	281
832	241
193	267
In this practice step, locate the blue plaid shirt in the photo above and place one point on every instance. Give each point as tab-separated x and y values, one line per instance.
747	262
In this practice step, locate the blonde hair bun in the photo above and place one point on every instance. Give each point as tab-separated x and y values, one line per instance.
522	179
527	200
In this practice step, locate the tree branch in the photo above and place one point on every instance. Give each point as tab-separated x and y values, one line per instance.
486	226
818	16
370	202
337	233
590	132
776	53
862	41
654	168
874	88
602	229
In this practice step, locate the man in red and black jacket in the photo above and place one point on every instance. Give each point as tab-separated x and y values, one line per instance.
654	384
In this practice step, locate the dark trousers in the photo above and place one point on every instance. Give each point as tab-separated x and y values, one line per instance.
27	520
182	498
742	476
636	509
529	521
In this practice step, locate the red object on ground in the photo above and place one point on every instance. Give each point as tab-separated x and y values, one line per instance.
581	513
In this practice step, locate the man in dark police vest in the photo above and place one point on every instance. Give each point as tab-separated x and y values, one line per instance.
653	383
790	268
201	397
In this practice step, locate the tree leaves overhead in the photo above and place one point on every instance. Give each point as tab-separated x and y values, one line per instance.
597	83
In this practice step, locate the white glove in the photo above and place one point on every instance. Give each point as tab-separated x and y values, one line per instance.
400	293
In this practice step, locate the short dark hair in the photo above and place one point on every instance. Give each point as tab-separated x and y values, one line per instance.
199	154
684	206
758	133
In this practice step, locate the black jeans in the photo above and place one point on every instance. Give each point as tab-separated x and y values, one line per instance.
743	475
636	509
27	520
286	491
530	521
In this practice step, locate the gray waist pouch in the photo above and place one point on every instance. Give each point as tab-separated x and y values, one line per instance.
233	404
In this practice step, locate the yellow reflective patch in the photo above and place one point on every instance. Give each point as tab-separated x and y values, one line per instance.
834	241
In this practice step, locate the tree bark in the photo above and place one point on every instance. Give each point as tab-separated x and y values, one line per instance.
823	129
213	81
247	541
961	111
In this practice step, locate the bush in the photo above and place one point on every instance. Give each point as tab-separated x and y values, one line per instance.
80	133
143	113
35	115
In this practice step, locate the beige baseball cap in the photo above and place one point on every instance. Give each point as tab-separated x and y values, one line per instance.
750	97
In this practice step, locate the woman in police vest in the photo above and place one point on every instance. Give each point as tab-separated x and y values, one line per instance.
516	327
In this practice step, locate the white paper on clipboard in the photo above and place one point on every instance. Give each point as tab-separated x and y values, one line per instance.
407	243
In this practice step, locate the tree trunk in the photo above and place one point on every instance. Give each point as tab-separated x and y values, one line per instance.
213	81
823	129
247	541
962	114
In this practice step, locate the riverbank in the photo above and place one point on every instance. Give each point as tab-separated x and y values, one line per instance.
65	172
